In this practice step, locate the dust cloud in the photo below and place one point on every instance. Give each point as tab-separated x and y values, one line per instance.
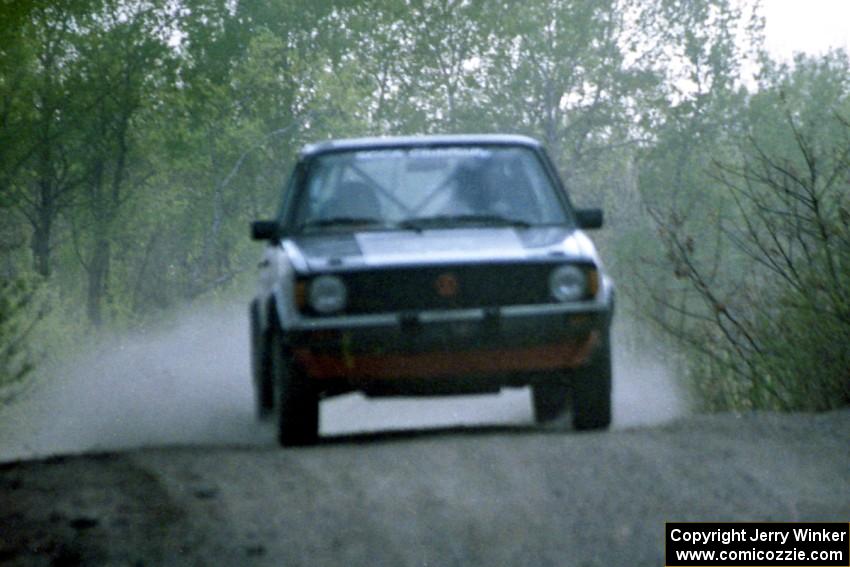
189	383
185	384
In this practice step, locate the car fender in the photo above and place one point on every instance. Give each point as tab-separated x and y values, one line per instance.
283	291
276	289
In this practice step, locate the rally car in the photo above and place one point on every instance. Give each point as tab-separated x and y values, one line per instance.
430	265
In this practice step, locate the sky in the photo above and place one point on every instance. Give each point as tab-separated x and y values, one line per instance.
812	26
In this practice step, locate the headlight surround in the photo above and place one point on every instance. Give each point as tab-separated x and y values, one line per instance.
568	283
327	294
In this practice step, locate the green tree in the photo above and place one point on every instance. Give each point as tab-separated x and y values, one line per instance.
764	304
40	123
121	62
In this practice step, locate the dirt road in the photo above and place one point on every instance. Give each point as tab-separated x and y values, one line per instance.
484	496
462	481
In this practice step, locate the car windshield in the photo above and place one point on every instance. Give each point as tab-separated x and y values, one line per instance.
427	188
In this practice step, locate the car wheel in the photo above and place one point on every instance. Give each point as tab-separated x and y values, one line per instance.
592	390
549	401
261	369
297	400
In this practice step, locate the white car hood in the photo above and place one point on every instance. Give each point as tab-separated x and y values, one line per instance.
440	246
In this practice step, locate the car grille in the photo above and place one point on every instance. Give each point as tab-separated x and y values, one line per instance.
447	287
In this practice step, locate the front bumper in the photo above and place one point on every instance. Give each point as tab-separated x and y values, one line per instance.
431	344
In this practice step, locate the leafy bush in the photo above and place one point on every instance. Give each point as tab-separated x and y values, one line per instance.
17	320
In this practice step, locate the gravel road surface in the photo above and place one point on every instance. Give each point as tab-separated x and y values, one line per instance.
461	496
158	461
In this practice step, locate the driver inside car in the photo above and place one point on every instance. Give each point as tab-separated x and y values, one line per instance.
482	187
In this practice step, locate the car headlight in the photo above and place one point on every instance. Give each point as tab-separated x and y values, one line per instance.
327	294
568	283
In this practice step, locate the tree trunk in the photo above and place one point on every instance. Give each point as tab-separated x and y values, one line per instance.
98	279
40	243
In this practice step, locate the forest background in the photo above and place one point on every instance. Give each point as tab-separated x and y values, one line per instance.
139	139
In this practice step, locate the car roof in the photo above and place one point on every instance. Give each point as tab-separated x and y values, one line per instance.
425	141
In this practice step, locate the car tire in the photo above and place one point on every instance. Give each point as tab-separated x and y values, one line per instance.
592	390
261	368
297	400
549	401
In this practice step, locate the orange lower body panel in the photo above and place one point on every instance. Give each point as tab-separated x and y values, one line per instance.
569	354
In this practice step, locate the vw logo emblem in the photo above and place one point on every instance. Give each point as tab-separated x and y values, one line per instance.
446	285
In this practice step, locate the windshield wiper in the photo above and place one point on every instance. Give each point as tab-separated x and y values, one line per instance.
451	220
340	221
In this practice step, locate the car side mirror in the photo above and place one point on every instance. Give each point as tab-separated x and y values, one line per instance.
589	218
264	230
